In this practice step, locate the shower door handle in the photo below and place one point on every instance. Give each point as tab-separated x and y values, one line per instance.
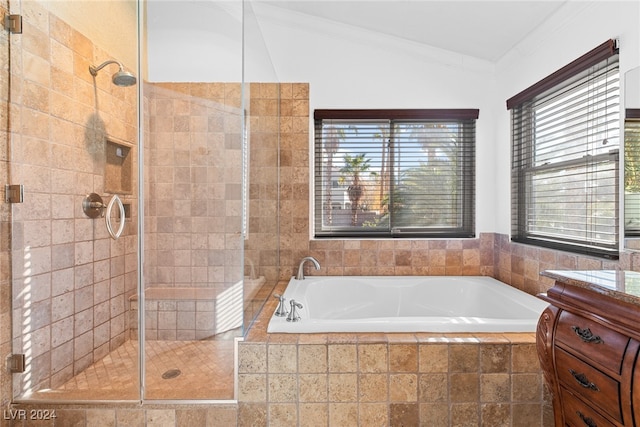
107	217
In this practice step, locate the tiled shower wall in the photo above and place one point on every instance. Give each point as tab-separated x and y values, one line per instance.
70	280
194	188
194	181
194	203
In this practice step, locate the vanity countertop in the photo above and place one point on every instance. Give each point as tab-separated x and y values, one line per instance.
618	284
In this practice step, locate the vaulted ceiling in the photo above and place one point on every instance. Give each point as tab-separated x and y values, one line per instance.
478	28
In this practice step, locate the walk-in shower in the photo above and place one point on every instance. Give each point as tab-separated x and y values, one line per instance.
155	313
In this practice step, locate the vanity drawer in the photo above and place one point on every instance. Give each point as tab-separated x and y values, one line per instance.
579	414
592	340
589	383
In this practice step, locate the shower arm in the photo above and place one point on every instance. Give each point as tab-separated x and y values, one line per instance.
94	70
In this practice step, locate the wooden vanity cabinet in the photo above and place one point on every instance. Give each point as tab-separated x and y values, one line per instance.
587	343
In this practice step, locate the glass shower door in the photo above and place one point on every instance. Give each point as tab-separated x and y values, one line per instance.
72	134
209	145
194	186
5	213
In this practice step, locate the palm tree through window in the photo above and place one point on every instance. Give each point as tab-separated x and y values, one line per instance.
398	173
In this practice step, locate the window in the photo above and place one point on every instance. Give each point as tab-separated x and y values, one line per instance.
632	172
395	173
565	137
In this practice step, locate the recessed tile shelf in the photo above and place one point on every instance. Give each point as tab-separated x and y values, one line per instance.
118	170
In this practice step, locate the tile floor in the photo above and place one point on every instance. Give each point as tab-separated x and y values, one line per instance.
206	372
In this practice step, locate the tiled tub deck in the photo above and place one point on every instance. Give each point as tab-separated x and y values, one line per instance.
389	379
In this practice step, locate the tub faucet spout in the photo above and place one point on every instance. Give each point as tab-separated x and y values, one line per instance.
300	275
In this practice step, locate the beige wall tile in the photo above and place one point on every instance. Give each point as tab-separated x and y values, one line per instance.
434	415
373	387
160	417
222	415
526	414
404	414
130	417
495	387
252	358
312	358
282	358
464	387
314	414
403	387
252	387
463	358
252	414
495	358
495	414
527	387
343	387
282	387
524	358
343	358
433	388
403	357
466	415
313	387
283	414
433	358
343	414
374	414
372	358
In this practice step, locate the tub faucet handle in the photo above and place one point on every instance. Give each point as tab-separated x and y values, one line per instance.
281	311
293	315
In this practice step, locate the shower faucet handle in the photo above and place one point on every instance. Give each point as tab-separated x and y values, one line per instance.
281	311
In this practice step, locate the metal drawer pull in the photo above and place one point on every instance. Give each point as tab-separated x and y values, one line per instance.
583	381
586	420
587	336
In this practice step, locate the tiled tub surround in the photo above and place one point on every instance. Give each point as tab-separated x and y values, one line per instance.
375	379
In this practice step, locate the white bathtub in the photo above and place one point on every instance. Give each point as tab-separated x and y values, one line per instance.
408	304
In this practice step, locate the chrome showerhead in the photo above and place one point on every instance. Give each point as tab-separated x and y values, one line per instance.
123	78
120	78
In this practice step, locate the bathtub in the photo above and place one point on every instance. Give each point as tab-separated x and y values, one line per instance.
407	304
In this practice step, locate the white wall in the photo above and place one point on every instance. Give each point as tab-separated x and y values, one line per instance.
194	41
348	67
353	68
203	41
574	30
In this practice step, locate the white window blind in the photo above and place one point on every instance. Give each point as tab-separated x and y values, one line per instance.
565	137
394	173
